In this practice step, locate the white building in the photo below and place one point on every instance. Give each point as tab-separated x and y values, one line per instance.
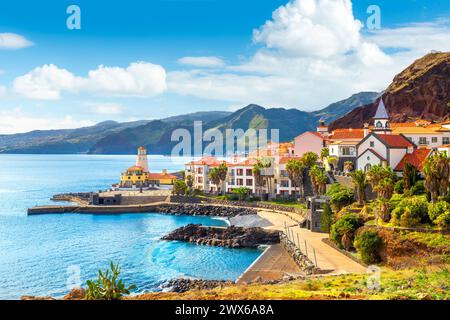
381	147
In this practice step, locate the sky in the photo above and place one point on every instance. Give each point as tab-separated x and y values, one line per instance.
151	59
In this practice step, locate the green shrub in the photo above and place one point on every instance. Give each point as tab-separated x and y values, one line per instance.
399	186
439	214
327	218
418	188
437	209
107	286
414	209
443	220
340	196
346	225
368	244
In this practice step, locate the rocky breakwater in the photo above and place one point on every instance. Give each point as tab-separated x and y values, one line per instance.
203	210
183	284
232	237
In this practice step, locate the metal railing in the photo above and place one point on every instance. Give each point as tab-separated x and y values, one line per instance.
300	244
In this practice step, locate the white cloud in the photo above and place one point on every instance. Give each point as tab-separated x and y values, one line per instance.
16	121
3	91
139	79
322	28
106	108
13	41
45	83
202	62
314	52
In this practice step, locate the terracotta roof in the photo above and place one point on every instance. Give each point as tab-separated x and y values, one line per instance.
208	161
156	176
285	160
134	168
246	163
395	140
313	132
417	159
350	133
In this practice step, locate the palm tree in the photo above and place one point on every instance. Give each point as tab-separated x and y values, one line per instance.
259	179
437	175
222	172
214	177
360	181
324	153
310	159
318	180
189	182
348	166
410	176
382	182
321	180
296	169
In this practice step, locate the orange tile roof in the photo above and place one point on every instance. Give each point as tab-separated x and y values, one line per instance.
208	161
157	176
285	160
134	168
246	163
417	159
395	140
313	132
350	133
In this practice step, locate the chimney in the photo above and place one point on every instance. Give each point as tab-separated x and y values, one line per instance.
366	129
322	128
164	171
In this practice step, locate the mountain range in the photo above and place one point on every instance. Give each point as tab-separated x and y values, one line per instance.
111	137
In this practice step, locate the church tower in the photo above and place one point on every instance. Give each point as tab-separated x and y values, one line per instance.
141	160
381	120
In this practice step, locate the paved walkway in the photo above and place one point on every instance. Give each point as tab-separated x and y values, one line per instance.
328	259
273	264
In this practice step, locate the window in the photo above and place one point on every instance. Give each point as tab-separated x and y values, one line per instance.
200	170
199	179
446	140
249	182
248	172
240	182
367	167
347	151
240	172
372	144
422	140
379	124
283	173
284	183
434	140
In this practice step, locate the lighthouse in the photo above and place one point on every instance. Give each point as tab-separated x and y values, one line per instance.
141	160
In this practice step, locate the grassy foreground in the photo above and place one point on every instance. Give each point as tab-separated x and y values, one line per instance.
399	284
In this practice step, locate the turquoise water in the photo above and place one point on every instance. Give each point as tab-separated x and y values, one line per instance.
42	255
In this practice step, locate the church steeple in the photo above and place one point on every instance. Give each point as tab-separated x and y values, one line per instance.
381	119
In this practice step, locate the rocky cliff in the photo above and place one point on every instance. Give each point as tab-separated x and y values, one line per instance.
421	91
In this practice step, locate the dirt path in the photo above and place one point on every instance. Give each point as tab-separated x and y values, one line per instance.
328	258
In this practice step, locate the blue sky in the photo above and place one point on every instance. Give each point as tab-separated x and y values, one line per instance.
228	65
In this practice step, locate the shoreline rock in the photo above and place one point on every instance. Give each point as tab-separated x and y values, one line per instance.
184	284
232	237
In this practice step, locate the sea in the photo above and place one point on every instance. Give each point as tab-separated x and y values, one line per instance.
47	255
